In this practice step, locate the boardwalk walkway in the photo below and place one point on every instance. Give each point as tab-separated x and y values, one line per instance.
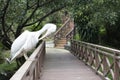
60	64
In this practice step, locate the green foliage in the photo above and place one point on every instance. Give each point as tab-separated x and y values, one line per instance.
98	20
7	70
77	36
7	67
86	27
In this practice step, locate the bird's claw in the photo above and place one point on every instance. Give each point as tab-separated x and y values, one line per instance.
7	60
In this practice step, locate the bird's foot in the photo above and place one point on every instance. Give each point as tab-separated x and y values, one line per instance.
8	60
26	57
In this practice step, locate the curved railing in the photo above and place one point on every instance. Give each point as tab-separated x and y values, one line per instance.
62	31
70	34
103	60
31	69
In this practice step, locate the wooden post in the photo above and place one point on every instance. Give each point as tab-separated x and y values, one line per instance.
116	68
105	66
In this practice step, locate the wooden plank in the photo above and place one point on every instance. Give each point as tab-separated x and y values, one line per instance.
60	64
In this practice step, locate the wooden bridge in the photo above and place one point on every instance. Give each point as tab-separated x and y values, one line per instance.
92	62
82	61
60	64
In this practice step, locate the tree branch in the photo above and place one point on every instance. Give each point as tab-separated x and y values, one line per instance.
10	29
38	5
6	39
40	19
3	16
19	28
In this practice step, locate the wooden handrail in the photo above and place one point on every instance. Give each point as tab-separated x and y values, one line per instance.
62	26
99	46
103	60
61	32
31	69
69	35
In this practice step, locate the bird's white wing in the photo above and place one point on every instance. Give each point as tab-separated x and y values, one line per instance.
18	43
30	42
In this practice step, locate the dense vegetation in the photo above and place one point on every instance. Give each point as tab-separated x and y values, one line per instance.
97	21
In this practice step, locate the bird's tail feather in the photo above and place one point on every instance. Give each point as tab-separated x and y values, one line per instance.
17	54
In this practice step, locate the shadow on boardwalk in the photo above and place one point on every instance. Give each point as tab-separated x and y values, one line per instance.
60	64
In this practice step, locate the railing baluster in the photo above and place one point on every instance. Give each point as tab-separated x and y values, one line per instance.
103	60
116	67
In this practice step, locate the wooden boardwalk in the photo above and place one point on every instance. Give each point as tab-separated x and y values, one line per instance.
60	64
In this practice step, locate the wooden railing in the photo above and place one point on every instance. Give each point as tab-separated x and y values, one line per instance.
31	69
62	29
61	33
69	35
103	60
